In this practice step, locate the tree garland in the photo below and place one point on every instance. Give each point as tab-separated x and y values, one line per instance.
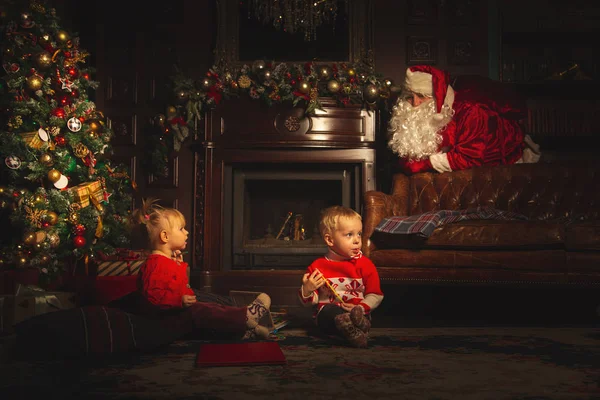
272	83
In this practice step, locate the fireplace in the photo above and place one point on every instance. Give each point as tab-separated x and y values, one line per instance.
271	212
257	166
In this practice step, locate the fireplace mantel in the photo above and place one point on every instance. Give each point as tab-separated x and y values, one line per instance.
247	132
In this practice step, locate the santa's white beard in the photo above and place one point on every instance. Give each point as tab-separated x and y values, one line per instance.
415	131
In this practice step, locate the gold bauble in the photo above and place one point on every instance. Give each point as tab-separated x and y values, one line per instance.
333	86
29	238
371	93
351	72
34	82
54	175
22	260
51	217
43	60
304	87
62	36
40	236
46	159
44	259
94	125
171	111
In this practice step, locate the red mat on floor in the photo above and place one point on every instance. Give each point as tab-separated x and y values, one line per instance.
238	354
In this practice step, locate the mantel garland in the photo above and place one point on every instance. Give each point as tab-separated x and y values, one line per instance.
274	83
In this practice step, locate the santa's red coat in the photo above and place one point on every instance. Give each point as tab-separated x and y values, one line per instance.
485	130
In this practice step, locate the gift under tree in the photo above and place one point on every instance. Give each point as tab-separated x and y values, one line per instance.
62	199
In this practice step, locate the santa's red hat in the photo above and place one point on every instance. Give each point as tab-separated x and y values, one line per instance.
430	81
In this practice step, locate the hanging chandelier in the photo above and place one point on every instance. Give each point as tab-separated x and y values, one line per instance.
295	16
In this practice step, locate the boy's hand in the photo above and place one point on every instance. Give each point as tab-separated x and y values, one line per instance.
177	256
187	300
347	306
312	282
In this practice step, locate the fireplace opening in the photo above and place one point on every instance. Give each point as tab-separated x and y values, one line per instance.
272	211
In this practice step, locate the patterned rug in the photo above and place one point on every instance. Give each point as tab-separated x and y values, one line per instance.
400	363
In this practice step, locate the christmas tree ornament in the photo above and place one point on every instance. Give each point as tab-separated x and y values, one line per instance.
22	261
44	259
333	86
34	82
62	36
73	217
79	229
74	124
44	39
351	72
95	126
13	162
60	140
54	175
171	111
51	217
53	239
43	60
370	93
40	236
54	130
79	241
80	150
62	182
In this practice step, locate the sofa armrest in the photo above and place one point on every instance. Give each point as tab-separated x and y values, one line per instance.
377	206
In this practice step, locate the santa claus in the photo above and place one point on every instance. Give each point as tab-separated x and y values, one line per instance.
434	127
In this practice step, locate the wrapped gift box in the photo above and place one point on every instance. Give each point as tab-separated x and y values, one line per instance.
29	301
83	191
123	262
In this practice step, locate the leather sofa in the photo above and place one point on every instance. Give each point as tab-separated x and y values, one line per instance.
559	243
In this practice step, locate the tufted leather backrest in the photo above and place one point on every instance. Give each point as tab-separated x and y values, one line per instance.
538	191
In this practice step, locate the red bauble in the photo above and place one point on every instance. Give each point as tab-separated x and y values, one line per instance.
79	229
79	241
60	140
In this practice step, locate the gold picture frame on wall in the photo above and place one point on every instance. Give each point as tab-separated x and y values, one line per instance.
242	39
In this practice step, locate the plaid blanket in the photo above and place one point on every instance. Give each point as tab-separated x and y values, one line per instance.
424	224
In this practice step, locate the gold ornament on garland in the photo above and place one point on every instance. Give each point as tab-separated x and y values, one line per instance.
333	86
244	81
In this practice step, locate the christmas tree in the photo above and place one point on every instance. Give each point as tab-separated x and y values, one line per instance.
61	199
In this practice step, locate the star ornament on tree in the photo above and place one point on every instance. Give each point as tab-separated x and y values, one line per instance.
66	84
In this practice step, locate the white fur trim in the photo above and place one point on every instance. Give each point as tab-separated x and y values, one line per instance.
419	82
439	162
